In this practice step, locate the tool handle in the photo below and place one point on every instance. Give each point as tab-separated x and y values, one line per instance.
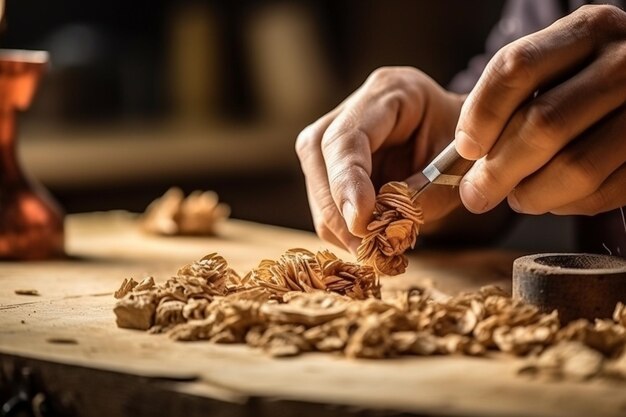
448	167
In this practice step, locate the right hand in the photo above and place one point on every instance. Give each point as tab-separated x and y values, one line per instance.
387	130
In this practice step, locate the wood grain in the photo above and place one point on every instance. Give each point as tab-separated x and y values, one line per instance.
130	370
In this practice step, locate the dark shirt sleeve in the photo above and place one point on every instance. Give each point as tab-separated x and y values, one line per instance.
519	18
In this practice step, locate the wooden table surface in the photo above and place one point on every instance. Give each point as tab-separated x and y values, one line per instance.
67	337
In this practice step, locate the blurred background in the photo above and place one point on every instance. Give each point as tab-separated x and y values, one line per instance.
143	95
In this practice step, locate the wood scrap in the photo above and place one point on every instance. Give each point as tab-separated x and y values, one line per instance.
175	214
27	291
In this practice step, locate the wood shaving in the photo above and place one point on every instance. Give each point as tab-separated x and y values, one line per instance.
173	214
190	295
130	284
566	360
301	270
305	301
394	230
296	310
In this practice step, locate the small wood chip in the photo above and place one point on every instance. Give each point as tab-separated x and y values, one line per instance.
32	292
173	214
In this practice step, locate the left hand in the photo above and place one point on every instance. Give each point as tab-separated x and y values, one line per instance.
564	150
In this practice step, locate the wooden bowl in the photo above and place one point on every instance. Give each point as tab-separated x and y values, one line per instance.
578	285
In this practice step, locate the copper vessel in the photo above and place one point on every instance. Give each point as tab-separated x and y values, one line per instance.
31	222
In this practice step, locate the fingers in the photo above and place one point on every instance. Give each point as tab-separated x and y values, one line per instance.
376	115
328	222
523	66
609	196
347	153
542	127
577	172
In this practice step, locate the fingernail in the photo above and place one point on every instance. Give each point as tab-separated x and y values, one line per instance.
514	203
467	147
473	199
349	214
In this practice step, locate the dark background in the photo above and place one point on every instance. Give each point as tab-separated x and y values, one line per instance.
143	95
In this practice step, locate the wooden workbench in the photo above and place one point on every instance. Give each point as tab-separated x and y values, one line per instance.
67	339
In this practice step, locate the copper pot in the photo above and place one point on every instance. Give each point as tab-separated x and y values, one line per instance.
31	222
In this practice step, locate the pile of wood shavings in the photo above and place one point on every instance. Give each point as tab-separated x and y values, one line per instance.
175	214
192	292
397	218
202	303
306	302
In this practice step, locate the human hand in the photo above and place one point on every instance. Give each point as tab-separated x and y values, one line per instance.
563	151
388	129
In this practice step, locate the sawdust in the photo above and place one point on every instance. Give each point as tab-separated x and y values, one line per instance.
173	214
305	302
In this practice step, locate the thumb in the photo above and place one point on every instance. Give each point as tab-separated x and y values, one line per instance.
355	197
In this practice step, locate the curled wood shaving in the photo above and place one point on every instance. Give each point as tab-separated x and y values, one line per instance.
190	294
397	218
213	273
301	310
307	301
173	214
130	284
301	270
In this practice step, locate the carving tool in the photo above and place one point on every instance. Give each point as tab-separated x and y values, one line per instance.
446	169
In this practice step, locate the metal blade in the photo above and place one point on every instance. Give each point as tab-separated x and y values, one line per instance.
420	184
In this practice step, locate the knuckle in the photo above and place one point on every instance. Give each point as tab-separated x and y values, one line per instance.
595	203
593	20
489	180
544	123
382	74
388	79
578	173
602	16
513	64
306	142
